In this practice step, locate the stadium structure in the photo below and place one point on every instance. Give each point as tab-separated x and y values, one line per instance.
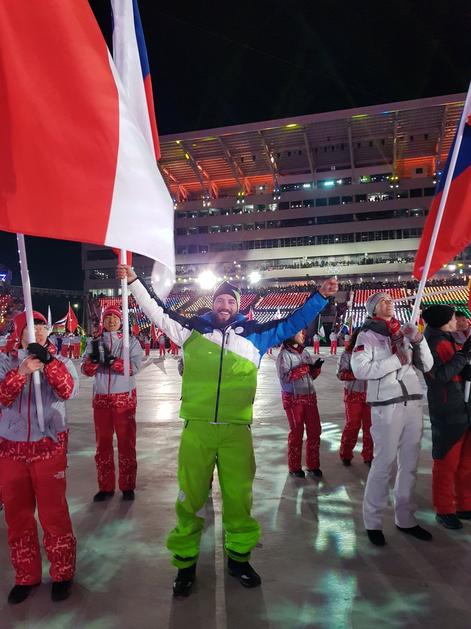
276	206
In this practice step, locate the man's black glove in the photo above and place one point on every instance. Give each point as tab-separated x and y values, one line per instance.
466	372
108	358
466	349
41	353
95	353
318	364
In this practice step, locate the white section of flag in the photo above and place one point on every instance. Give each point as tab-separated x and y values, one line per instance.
149	233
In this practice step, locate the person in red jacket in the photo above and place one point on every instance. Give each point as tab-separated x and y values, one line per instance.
114	405
33	460
297	371
357	411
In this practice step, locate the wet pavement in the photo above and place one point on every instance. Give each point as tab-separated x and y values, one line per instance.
317	566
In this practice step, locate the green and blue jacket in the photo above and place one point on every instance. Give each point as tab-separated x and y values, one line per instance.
220	375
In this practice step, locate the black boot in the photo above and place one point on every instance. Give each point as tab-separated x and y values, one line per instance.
20	593
60	590
298	474
376	537
243	571
184	581
416	531
449	520
347	462
317	472
101	496
128	494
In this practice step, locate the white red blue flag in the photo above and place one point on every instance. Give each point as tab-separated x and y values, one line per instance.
455	229
74	162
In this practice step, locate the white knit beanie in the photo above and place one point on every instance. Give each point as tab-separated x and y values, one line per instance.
373	300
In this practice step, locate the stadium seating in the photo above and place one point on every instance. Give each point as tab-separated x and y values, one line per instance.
269	305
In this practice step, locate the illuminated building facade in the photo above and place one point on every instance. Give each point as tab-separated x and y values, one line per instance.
343	192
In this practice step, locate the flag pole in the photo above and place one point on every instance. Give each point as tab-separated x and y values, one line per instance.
441	209
30	323
125	311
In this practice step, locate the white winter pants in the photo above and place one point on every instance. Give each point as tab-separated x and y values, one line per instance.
396	430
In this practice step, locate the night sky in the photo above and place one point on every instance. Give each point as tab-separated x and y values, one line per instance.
221	63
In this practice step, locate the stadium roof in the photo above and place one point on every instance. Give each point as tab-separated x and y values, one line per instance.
226	160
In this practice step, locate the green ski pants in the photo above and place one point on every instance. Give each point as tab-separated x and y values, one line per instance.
202	446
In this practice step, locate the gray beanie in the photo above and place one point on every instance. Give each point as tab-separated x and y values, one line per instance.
373	300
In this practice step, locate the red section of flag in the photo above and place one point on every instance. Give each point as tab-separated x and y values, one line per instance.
128	256
455	229
72	322
152	120
56	178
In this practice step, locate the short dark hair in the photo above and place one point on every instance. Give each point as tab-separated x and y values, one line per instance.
460	313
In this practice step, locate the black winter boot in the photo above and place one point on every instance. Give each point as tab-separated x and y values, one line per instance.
449	520
376	537
60	591
20	593
184	581
243	571
416	531
101	496
128	494
298	474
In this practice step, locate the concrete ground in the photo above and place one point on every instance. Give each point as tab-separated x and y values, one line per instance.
318	568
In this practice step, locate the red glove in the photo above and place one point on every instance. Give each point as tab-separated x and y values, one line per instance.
89	368
298	372
60	378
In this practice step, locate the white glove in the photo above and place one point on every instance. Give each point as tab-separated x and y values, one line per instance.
411	331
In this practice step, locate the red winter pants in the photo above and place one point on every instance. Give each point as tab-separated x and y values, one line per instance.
147	349
123	422
316	347
42	483
161	350
333	347
357	415
451	478
302	411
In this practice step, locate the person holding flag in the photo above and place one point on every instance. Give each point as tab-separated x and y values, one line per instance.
33	461
114	405
222	351
386	356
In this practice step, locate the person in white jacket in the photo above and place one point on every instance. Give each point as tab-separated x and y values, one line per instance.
387	356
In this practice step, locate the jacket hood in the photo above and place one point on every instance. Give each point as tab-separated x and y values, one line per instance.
376	325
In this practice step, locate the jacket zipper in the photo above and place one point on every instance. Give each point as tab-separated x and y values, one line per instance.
221	358
109	368
29	409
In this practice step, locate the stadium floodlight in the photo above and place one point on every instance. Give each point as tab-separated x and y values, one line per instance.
254	277
207	280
